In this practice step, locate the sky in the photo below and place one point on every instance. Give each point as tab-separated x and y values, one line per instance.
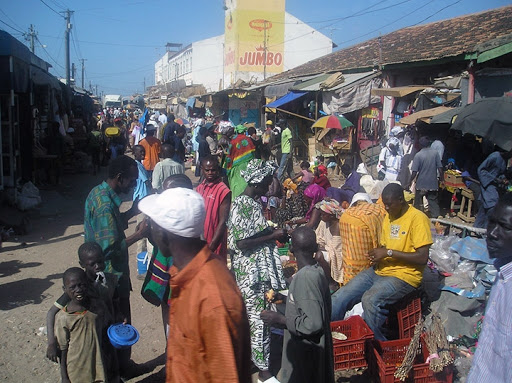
120	41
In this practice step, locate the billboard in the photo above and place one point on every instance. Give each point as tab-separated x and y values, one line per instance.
254	36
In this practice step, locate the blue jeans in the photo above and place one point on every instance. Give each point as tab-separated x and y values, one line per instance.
375	292
282	165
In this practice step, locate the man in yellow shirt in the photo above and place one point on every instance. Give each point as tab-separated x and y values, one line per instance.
397	266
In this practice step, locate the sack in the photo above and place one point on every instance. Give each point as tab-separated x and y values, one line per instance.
112	131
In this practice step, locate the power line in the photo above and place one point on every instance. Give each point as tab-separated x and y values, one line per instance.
51	58
53	10
10	26
435	13
11	20
59	5
387	25
336	21
76	39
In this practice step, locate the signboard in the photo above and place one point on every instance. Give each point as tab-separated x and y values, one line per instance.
254	36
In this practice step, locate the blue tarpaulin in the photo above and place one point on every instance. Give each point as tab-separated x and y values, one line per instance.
285	99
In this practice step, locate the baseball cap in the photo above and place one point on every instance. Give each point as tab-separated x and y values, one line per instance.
179	211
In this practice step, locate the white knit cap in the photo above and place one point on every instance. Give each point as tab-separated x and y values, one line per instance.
179	211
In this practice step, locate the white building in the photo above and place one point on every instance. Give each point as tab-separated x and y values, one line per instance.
208	63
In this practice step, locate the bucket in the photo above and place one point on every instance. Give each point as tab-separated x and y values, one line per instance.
142	262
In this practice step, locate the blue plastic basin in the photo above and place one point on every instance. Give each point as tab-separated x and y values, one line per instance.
122	335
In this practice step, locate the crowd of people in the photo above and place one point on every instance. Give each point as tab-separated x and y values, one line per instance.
215	267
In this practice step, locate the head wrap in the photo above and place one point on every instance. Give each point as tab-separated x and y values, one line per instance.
330	206
322	170
289	184
257	170
316	193
360	197
240	129
393	141
396	131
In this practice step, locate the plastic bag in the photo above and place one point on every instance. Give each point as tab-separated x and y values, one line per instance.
29	197
445	260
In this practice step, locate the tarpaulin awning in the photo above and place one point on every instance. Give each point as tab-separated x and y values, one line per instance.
446	117
399	91
351	96
285	99
490	118
426	114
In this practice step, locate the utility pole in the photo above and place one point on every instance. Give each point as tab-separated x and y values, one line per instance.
83	71
73	71
68	29
31	37
264	49
144	89
96	90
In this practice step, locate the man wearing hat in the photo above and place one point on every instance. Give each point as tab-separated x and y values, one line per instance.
152	146
209	331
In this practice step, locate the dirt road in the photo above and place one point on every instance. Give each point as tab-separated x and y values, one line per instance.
31	268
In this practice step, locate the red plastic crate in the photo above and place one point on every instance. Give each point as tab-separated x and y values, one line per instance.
423	373
408	317
386	357
351	353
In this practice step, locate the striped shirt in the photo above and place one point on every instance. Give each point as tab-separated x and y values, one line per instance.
492	358
360	229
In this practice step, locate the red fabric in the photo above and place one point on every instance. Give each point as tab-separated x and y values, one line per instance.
322	181
322	169
213	195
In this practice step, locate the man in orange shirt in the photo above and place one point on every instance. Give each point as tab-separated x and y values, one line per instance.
151	145
209	331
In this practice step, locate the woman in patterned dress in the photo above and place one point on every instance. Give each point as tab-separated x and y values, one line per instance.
254	257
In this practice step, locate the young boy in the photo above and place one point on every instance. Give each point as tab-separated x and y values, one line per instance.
79	328
100	286
307	348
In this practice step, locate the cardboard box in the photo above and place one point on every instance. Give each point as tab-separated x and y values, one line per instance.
454	181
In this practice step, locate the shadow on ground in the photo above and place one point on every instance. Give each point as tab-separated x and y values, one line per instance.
25	292
9	268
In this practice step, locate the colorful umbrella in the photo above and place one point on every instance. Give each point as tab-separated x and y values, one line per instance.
182	121
332	122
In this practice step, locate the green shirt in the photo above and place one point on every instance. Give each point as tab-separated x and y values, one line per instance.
286	141
104	224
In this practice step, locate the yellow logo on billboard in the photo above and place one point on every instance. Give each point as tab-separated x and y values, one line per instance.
260	24
254	37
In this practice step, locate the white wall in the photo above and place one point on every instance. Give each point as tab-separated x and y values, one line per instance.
208	65
301	44
161	69
179	66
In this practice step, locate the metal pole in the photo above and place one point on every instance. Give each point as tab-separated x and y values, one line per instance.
32	35
83	72
264	49
68	29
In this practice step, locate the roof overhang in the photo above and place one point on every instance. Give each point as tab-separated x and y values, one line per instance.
399	91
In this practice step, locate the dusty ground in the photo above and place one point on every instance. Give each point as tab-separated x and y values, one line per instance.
31	268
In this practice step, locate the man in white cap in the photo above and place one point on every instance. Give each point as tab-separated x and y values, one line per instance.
209	331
